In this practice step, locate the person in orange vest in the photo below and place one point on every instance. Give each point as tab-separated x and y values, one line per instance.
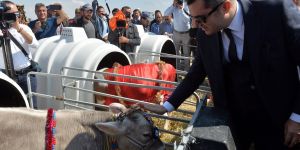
123	33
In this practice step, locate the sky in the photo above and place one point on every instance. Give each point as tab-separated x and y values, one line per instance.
70	5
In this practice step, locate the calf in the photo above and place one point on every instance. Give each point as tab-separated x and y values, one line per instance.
160	71
76	130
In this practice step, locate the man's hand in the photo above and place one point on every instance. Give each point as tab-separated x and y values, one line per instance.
292	133
37	26
95	3
123	40
175	4
62	16
16	24
105	39
155	108
179	6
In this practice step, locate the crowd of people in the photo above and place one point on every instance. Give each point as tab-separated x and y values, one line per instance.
249	50
97	23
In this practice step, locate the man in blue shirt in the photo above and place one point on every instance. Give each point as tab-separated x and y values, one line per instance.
145	20
181	36
44	27
166	28
154	27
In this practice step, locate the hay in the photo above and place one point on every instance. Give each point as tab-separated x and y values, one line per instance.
176	126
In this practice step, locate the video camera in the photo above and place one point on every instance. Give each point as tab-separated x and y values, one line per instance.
121	24
54	7
7	17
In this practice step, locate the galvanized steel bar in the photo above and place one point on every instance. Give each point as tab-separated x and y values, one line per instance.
121	75
169	118
76	106
169	132
59	98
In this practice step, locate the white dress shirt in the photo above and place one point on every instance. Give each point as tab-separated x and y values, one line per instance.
237	30
19	59
237	26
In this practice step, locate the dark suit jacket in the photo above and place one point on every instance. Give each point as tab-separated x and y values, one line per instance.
274	55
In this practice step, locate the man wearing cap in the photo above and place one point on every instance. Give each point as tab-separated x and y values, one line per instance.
181	36
85	21
145	20
44	27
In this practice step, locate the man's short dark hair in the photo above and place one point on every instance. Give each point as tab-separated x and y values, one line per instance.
100	7
7	3
137	10
125	8
157	11
208	3
115	10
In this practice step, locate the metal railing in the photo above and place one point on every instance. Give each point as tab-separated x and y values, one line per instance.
74	85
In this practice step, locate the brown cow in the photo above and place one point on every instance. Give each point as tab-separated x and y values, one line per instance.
76	130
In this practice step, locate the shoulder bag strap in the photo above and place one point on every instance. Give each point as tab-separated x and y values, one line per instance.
18	44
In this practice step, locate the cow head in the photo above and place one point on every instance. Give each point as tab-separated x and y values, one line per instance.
133	131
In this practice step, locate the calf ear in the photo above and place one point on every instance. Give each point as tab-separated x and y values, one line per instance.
111	128
117	108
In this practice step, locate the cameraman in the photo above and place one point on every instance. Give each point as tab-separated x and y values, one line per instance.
126	37
182	24
25	37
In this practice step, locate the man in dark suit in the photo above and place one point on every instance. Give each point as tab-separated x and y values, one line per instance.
250	54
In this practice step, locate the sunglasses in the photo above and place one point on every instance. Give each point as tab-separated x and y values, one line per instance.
203	18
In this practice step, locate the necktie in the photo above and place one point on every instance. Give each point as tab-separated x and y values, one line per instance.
232	53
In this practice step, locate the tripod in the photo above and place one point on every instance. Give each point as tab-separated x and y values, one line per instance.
6	49
120	33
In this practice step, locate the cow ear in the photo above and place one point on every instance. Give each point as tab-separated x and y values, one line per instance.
117	108
111	128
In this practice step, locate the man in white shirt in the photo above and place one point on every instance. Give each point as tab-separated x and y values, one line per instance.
24	35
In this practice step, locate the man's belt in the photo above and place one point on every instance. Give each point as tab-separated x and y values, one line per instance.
24	70
184	32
